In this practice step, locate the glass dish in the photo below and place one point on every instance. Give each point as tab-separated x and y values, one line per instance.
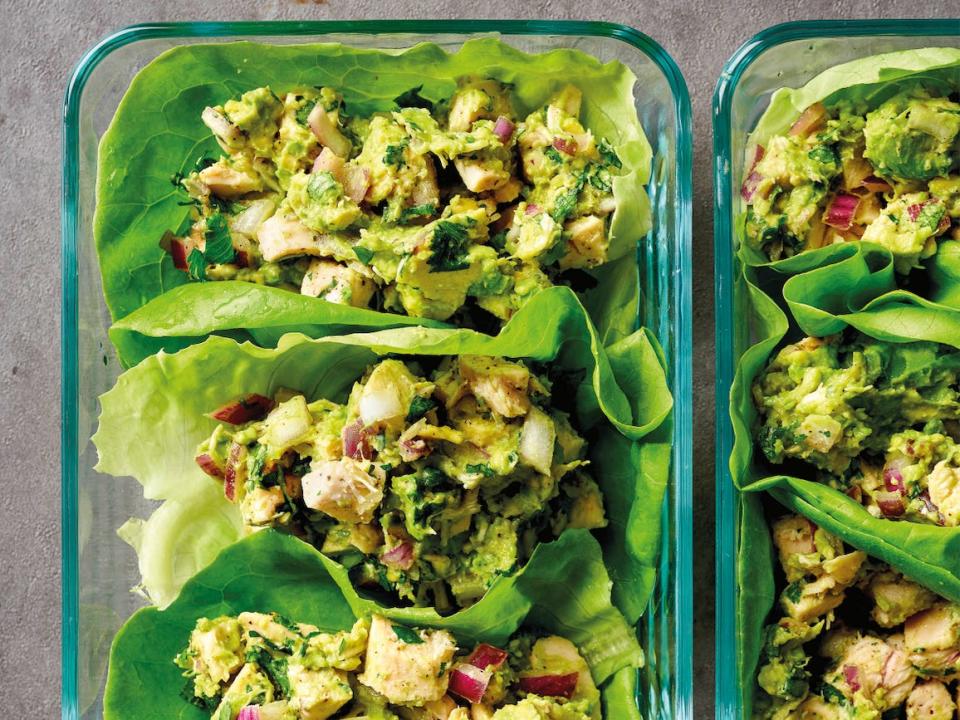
99	569
785	55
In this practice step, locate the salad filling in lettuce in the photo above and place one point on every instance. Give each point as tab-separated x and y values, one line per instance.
427	484
263	666
847	172
876	420
855	638
412	211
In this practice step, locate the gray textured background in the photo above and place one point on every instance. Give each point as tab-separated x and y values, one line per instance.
41	40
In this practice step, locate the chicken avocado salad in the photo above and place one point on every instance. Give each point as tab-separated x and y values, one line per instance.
846	172
417	211
262	666
876	420
855	638
426	484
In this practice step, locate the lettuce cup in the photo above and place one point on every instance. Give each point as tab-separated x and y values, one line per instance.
319	187
266	632
853	179
427	465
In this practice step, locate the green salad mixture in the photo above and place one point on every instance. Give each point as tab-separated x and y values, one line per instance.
878	421
262	666
415	211
885	175
428	488
855	638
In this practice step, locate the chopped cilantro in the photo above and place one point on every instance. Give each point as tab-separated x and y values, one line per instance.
408	214
498	241
448	249
824	154
364	255
322	184
196	265
209	704
304	112
600	179
219	246
930	215
480	469
564	205
407	635
832	695
274	668
794	591
551	152
419	407
394	153
609	155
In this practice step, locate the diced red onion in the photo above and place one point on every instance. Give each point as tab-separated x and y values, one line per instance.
414	449
890	504
230	476
484	656
503	129
841	211
238	412
893	478
468	682
550	685
179	252
532	209
851	674
241	259
209	466
250	712
750	186
355	442
809	120
401	556
855	492
914	210
568	147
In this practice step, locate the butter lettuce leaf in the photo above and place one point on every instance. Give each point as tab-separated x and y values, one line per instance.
157	133
269	571
153	418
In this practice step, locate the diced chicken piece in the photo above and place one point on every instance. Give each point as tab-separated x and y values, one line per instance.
249	685
426	191
479	176
930	700
944	486
217	648
325	129
261	506
228	182
587	240
502	385
816	599
875	670
793	535
264	624
844	568
896	598
289	423
816	708
820	432
354	180
407	673
317	694
537	439
441	709
477	100
228	134
285	236
337	283
342	489
932	637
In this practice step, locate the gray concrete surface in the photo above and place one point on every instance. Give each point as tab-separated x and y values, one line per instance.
41	41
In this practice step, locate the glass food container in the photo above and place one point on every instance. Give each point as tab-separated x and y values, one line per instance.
99	569
785	55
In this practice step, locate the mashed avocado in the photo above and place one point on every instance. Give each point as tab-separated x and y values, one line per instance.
427	485
285	670
429	211
855	639
877	419
849	172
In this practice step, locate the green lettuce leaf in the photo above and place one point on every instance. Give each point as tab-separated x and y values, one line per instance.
154	417
157	132
269	571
